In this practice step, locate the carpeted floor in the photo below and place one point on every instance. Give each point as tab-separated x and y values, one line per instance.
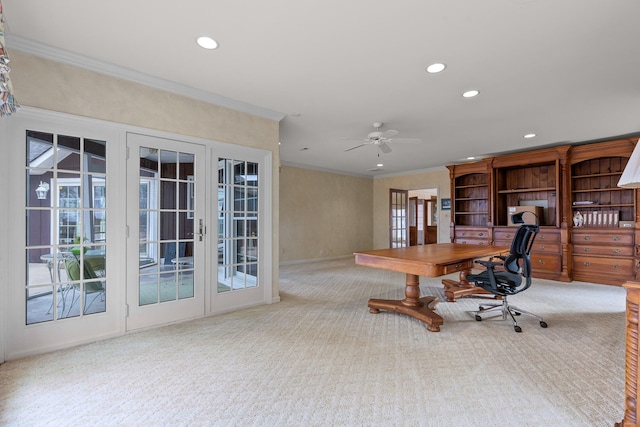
319	358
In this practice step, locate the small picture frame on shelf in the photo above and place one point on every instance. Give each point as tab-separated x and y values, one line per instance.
445	204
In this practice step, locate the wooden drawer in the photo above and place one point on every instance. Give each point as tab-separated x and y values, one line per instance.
504	235
545	263
618	267
506	243
472	234
501	234
604	250
538	248
547	236
472	241
611	237
545	248
457	266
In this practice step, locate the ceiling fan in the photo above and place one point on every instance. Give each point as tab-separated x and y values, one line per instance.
381	139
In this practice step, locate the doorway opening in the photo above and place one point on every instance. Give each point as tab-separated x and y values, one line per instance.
423	216
413	217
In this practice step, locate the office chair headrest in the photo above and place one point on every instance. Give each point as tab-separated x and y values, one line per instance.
517	218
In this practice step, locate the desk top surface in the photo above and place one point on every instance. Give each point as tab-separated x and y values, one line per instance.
425	260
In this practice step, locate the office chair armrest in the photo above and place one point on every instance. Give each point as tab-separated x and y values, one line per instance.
489	264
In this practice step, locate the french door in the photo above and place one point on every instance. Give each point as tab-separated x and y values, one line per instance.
107	230
62	278
166	230
398	218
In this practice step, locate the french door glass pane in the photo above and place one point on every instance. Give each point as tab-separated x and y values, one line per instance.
66	200
166	210
237	225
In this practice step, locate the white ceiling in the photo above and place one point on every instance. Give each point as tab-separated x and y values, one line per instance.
567	70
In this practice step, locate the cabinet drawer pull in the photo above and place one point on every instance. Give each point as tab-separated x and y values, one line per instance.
541	236
616	238
507	236
587	264
542	247
540	261
616	266
480	234
616	251
587	237
587	249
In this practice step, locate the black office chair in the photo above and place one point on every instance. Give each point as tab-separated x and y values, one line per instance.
515	276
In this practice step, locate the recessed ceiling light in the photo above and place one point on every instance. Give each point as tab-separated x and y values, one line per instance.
207	42
530	135
379	165
436	68
471	93
471	158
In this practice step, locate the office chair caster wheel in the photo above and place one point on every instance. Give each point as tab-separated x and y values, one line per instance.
517	328
478	318
517	313
543	324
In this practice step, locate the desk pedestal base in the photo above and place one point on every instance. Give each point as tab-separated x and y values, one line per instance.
453	290
413	305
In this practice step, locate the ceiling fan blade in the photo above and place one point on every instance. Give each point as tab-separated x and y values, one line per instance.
406	140
354	139
384	147
357	146
389	133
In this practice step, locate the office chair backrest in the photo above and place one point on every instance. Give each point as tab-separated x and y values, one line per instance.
519	259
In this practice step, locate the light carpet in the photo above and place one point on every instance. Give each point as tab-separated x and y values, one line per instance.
319	358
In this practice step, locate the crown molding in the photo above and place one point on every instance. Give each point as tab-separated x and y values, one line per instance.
31	47
413	172
321	169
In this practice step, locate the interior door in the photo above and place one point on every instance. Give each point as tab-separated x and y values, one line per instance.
398	218
165	217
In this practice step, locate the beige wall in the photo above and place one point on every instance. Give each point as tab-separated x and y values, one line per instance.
323	215
433	179
64	88
59	87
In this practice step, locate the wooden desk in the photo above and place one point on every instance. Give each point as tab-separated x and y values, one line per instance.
425	260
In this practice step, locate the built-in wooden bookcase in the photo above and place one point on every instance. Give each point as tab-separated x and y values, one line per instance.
594	191
603	235
472	199
529	179
533	185
601	245
471	207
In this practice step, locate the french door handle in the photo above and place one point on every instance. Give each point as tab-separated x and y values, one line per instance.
201	229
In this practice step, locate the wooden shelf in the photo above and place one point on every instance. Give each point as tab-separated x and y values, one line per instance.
597	190
470	186
597	175
526	190
595	205
472	213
